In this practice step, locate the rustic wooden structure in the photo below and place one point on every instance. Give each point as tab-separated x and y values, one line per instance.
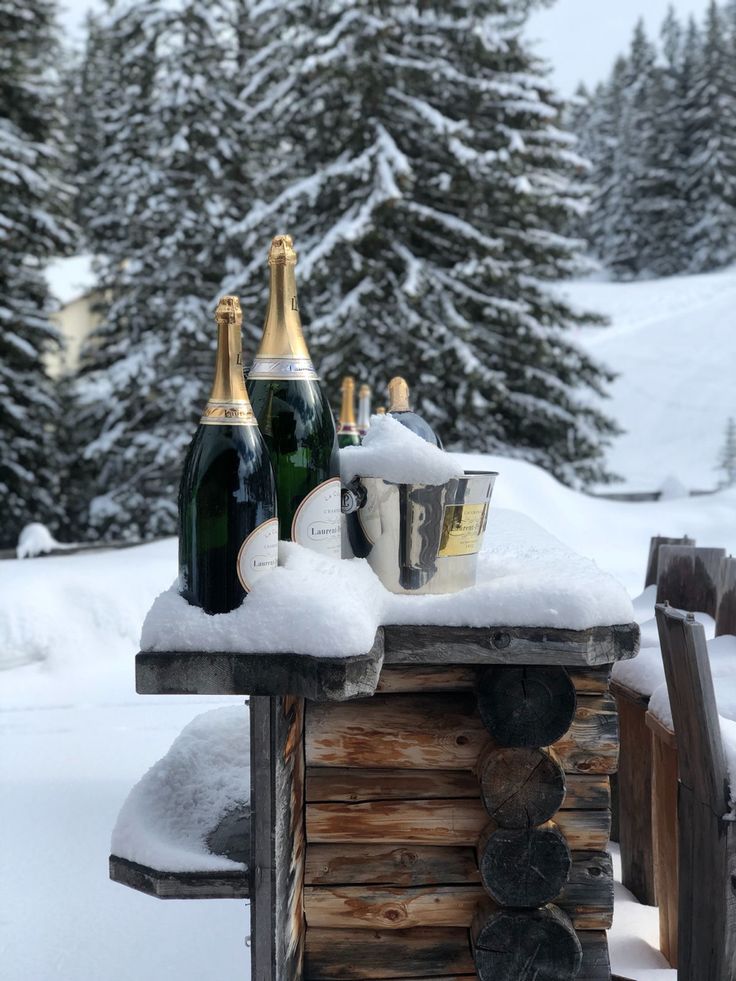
707	838
726	608
436	808
655	544
665	832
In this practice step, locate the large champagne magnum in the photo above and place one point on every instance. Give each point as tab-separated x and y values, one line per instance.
400	409
347	433
295	417
228	529
364	409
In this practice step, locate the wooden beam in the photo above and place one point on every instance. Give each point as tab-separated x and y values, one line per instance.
179	885
464	677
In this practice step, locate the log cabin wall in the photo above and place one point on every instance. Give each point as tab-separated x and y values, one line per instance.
456	826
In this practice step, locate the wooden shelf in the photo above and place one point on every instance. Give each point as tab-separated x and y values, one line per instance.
180	885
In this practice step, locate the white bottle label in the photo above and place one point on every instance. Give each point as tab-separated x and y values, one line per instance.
259	553
317	522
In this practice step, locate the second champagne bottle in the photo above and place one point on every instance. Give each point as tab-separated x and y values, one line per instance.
295	417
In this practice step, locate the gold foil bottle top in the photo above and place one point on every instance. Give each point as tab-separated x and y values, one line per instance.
282	251
229	312
398	392
347	411
381	410
364	390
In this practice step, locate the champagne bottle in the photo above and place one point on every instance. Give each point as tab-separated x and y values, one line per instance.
295	417
400	409
364	410
228	529
347	433
381	410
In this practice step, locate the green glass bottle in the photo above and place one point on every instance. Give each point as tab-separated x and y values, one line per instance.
400	409
228	527
347	432
295	417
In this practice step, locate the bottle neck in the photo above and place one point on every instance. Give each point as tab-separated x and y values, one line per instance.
398	392
228	402
347	410
364	409
282	331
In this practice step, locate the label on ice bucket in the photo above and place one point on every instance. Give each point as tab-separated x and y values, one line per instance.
259	553
317	522
462	529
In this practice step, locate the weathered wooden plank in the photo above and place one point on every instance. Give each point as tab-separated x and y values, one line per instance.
179	885
587	897
655	544
510	645
596	965
435	822
223	673
726	608
354	955
464	677
523	945
635	830
526	705
391	907
688	577
520	787
398	865
277	785
523	867
665	840
411	731
707	842
332	783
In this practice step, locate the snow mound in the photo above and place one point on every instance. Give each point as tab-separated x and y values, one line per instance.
315	605
393	452
35	539
170	812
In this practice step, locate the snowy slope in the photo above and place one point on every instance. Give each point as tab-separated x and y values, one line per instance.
673	343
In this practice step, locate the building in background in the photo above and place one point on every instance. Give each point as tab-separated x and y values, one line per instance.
72	285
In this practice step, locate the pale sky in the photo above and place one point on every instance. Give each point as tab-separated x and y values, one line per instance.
580	38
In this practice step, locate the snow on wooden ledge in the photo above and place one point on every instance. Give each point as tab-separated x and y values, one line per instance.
318	606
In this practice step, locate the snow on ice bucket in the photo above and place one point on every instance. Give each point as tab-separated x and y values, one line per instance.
420	538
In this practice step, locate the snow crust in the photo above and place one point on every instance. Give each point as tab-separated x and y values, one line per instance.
313	604
35	539
393	452
183	797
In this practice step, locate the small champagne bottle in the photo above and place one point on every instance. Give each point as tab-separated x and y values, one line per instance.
400	409
295	417
228	530
364	410
347	432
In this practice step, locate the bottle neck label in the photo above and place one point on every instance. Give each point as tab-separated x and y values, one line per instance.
228	412
282	369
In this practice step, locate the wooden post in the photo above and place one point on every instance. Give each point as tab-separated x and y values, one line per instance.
726	609
688	578
707	905
654	546
664	824
277	790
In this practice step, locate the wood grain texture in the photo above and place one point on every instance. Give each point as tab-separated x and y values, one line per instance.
354	955
665	840
635	830
596	965
587	897
655	544
434	822
398	865
277	787
464	677
688	577
223	673
391	907
526	705
424	732
510	645
180	885
523	867
520	787
525	945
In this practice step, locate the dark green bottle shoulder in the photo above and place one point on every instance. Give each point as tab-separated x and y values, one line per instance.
210	443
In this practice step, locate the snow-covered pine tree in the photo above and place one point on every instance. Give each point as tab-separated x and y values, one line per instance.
414	153
34	226
727	459
710	181
164	193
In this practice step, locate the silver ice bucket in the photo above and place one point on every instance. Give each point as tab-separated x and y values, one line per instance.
420	538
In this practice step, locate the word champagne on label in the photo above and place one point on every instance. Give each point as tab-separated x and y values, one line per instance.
347	433
400	409
364	410
295	417
228	527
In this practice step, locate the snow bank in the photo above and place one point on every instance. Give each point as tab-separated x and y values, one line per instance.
393	452
35	539
169	813
313	604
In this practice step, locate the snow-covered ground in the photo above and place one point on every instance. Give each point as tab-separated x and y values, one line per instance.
673	343
76	738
